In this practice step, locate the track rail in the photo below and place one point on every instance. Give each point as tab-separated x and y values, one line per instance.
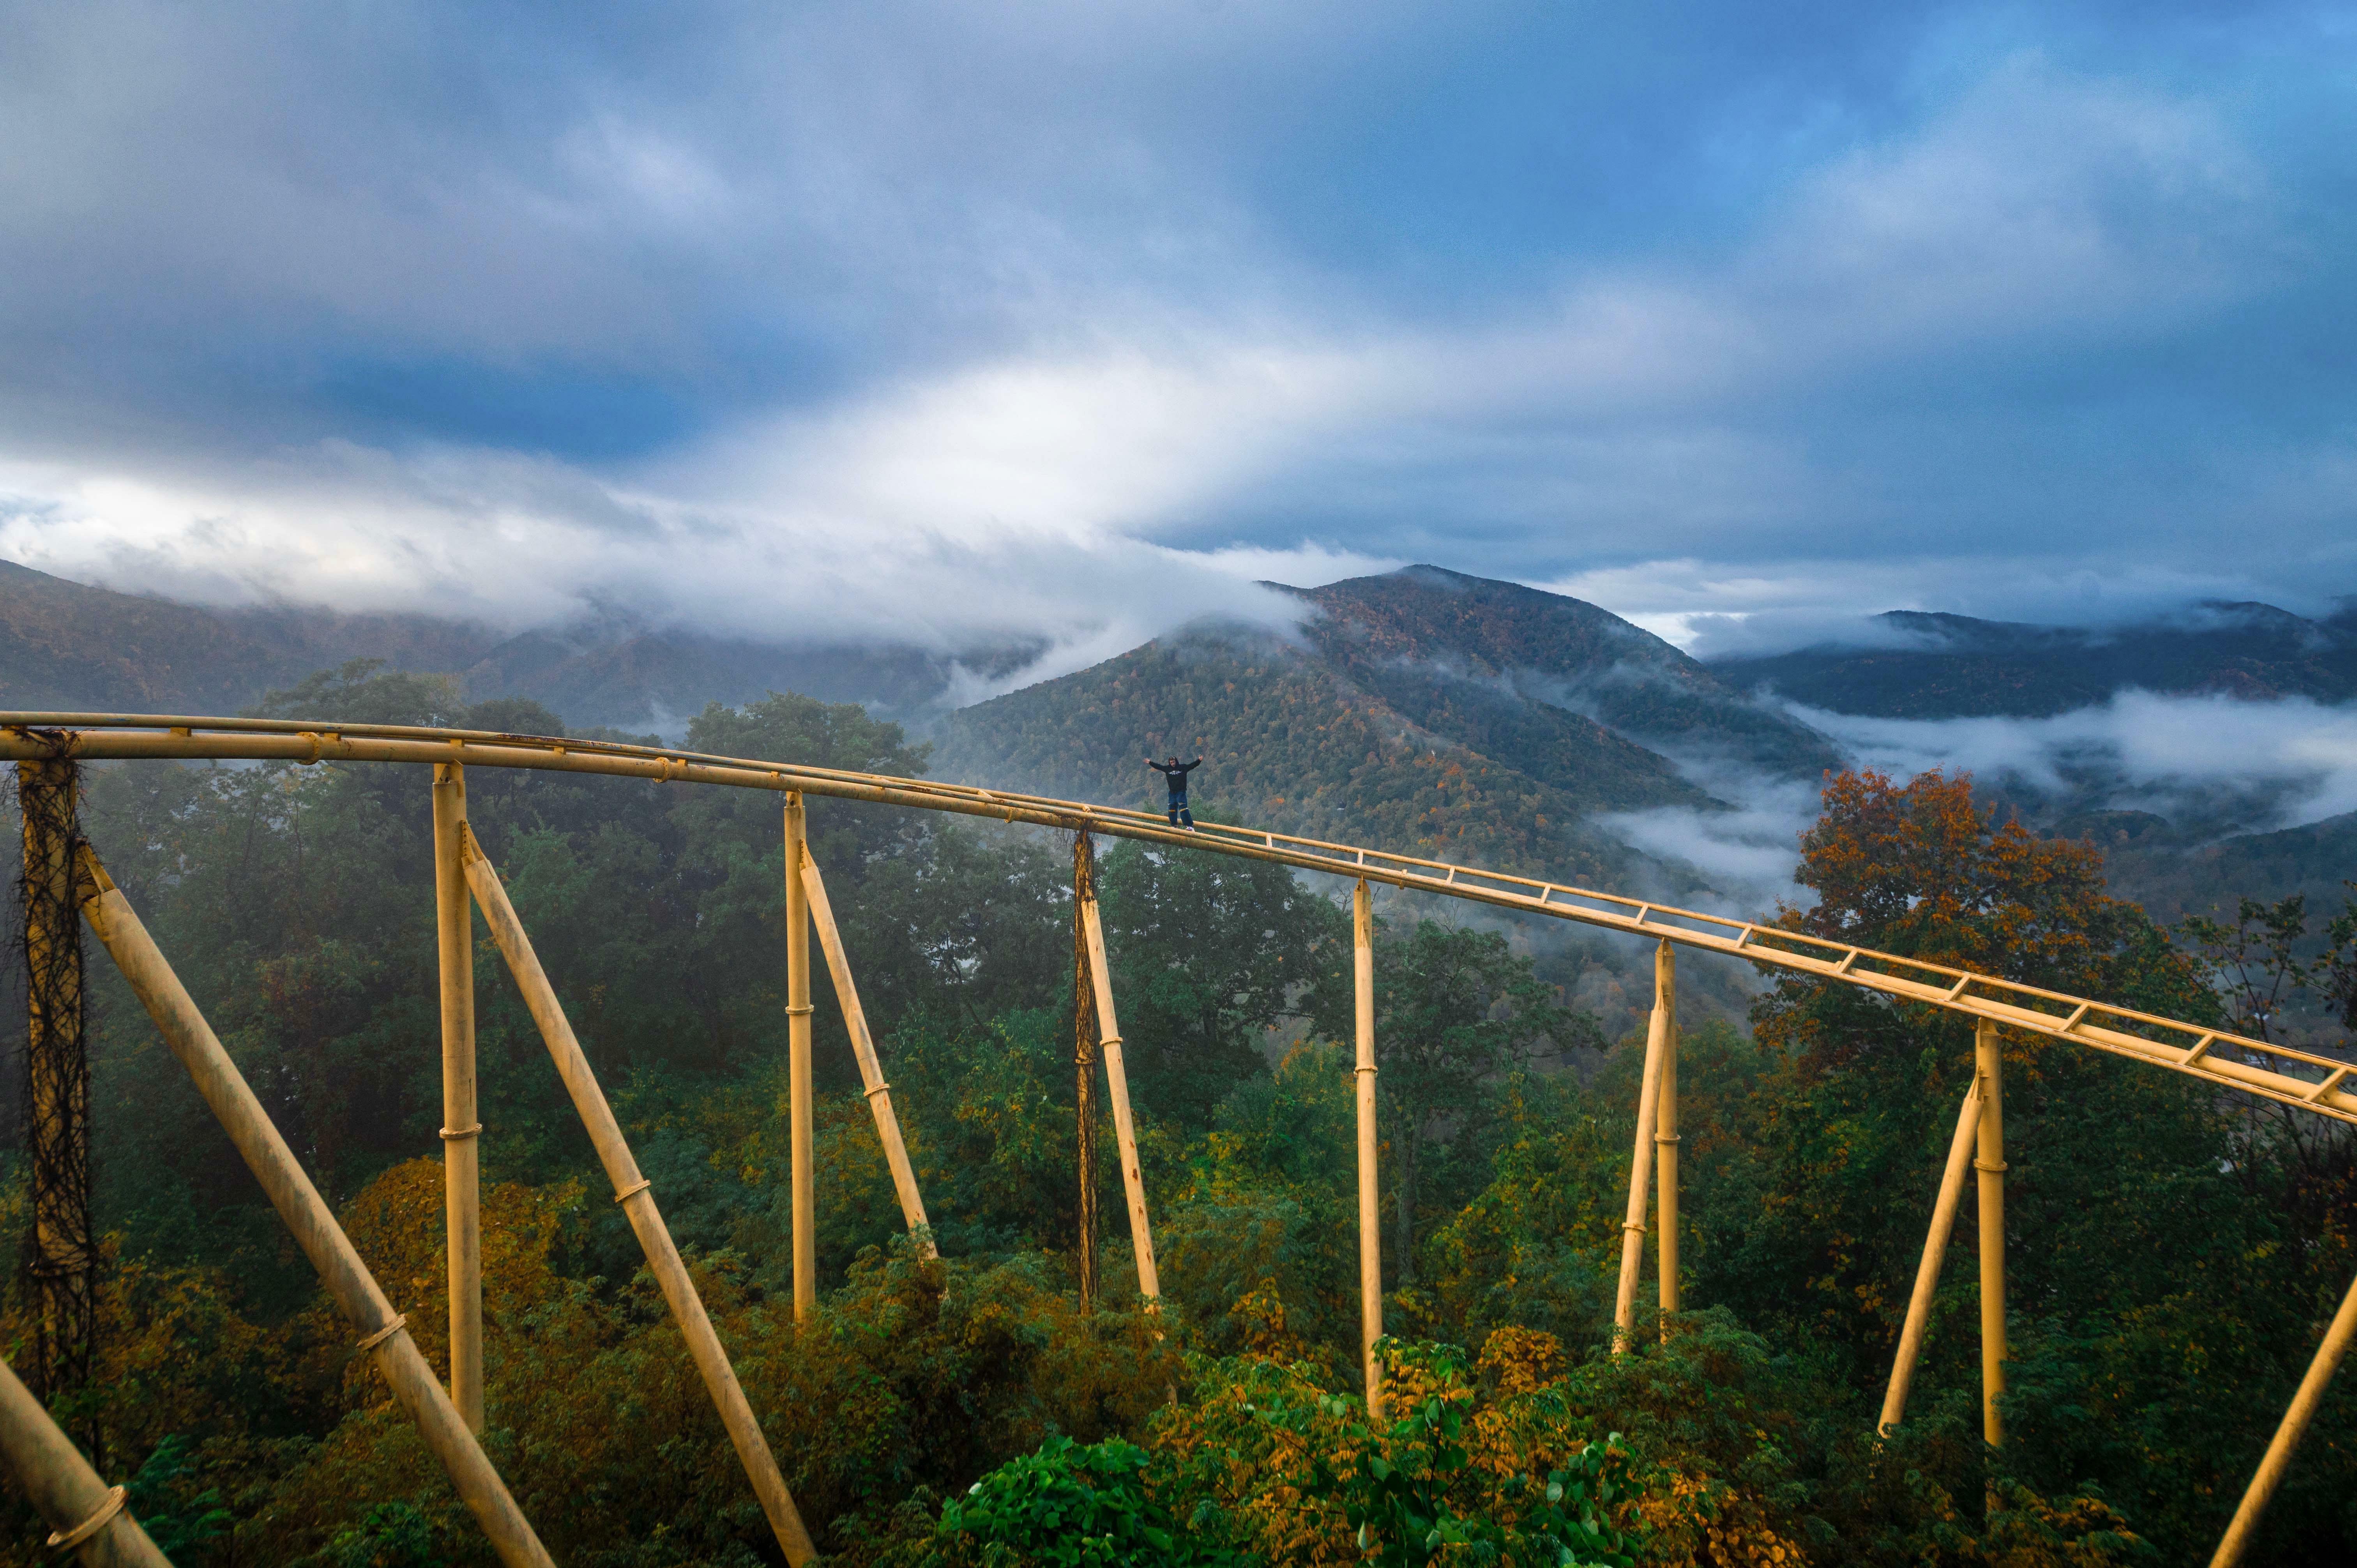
2230	1061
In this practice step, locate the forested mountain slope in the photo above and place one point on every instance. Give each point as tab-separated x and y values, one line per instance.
1948	666
2173	874
68	646
1289	743
1430	641
1423	710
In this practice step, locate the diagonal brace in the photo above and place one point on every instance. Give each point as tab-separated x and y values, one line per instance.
298	1203
632	1191
871	1073
1935	1251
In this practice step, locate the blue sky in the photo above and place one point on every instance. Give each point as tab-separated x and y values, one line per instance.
946	322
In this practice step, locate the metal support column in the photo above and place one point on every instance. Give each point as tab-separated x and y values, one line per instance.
1371	1236
1084	1065
385	1333
798	1060
1125	1130
635	1194
1640	1169
878	1092
1989	1068
1665	1133
454	933
86	1515
1935	1251
2277	1458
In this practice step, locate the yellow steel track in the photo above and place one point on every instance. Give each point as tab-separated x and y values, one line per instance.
2230	1061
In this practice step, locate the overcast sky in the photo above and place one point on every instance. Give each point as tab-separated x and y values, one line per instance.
948	321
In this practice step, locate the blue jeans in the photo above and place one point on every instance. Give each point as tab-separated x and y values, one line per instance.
1178	811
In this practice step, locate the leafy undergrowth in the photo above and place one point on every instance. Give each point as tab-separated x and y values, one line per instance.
1512	1459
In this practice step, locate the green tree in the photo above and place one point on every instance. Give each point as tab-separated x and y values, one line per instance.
2146	1232
1456	1010
1210	953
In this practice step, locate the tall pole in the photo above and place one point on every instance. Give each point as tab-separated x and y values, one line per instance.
798	1059
1084	1064
1370	1239
2277	1459
1641	1168
57	1084
1935	1252
1665	1134
1988	1063
455	937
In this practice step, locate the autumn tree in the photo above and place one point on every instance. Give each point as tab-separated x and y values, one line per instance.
2144	1234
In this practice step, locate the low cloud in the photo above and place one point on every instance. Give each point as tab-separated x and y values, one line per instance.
2199	760
2213	765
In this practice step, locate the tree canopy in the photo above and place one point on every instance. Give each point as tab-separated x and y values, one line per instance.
2174	1250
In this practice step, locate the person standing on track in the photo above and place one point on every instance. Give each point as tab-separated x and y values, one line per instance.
1174	773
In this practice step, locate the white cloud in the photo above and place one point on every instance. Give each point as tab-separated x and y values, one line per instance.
1041	476
2250	764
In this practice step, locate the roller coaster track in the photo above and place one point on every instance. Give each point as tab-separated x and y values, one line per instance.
2293	1077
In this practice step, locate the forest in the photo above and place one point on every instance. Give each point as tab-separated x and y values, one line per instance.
2174	1252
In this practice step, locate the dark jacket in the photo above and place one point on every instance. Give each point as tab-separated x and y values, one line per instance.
1175	776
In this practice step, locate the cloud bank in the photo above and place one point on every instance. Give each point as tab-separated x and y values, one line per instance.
2210	765
942	324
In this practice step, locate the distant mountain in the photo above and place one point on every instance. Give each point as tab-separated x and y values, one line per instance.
67	647
1948	666
64	646
1423	710
1511	666
2175	872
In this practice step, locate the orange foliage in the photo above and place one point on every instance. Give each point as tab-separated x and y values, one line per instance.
1917	870
396	1223
1694	1520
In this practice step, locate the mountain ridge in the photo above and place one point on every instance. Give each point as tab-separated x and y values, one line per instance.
1424	710
1950	666
72	647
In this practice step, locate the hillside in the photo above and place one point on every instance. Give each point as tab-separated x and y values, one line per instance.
1285	742
2174	872
67	646
1948	666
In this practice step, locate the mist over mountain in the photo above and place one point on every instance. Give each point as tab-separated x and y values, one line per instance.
1429	640
67	647
1421	709
1911	664
2211	755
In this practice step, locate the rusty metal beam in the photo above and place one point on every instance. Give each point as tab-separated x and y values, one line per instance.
63	1263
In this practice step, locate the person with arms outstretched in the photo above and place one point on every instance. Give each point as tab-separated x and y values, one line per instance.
1174	773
